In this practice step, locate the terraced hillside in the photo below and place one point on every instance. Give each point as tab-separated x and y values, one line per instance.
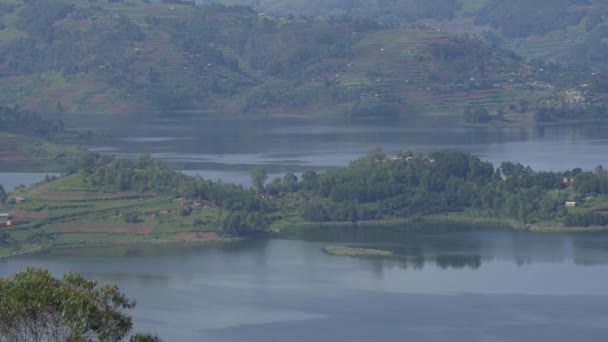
69	212
134	55
564	31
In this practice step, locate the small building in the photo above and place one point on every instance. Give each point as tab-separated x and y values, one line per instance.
5	219
19	199
570	204
164	211
568	180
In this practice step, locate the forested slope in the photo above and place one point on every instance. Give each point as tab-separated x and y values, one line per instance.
134	55
106	200
565	31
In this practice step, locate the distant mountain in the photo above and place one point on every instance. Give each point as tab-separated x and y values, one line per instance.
566	31
139	55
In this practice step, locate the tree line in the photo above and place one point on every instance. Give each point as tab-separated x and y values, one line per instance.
373	187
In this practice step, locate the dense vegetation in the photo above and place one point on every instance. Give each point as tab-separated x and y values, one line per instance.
567	31
27	135
538	18
385	11
107	200
35	306
27	122
135	55
374	187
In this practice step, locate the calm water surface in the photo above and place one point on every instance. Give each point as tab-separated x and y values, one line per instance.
230	149
11	180
451	286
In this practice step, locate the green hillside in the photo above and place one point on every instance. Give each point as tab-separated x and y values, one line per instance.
135	55
565	31
104	200
27	137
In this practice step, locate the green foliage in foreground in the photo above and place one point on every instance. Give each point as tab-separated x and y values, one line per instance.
356	252
35	306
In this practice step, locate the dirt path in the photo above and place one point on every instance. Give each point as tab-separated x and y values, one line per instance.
103	228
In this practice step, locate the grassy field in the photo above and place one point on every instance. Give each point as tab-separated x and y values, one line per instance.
18	146
64	212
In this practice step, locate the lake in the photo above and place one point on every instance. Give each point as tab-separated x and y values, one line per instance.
445	286
450	286
230	149
11	180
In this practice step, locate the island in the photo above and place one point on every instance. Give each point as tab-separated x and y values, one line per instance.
105	200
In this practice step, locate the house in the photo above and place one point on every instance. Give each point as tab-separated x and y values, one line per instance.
567	180
5	219
19	199
164	211
570	204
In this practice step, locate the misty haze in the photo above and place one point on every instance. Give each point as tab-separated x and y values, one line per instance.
261	170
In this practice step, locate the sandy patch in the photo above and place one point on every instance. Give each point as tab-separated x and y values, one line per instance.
103	228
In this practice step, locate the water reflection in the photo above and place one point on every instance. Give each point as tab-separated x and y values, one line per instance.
231	148
189	142
457	246
439	281
414	247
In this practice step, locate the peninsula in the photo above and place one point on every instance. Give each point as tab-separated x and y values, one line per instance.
104	200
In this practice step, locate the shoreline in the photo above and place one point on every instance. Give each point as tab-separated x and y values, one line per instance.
281	232
438	219
92	244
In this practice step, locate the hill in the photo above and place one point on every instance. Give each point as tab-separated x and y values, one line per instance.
137	55
564	31
27	139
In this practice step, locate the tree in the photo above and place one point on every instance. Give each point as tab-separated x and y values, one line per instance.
309	180
258	178
186	211
245	223
35	306
131	217
290	182
3	195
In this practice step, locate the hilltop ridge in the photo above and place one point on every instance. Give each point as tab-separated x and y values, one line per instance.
563	31
134	55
